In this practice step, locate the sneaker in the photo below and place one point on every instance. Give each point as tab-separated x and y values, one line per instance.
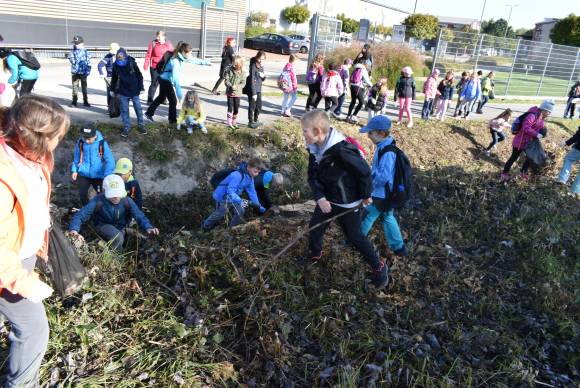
189	130
403	252
253	125
259	123
142	131
339	116
149	117
488	152
232	127
125	133
410	124
86	103
380	276
236	126
286	115
505	177
73	104
479	112
203	130
354	120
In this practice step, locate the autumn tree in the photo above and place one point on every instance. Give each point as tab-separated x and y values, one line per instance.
421	26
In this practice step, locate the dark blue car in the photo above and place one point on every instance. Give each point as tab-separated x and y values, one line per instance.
273	42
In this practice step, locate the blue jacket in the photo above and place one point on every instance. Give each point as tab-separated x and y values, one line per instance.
19	71
229	189
92	164
383	171
471	90
126	78
172	71
109	214
80	60
134	191
106	63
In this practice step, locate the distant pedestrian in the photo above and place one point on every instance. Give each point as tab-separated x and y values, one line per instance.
344	75
234	79
469	95
445	92
80	60
365	57
24	67
228	54
572	157
360	82
460	85
155	51
487	90
405	92
105	68
573	94
496	127
331	89
191	113
377	101
288	83
127	81
253	88
313	79
430	91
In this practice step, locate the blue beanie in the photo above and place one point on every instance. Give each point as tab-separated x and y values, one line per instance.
267	178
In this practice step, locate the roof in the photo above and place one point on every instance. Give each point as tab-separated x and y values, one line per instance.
548	21
456	20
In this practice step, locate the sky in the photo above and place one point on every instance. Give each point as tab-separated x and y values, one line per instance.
524	16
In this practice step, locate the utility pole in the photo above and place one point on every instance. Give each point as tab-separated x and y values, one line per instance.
415	9
481	18
509	17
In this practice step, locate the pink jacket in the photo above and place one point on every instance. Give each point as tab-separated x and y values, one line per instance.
331	85
529	128
290	68
430	87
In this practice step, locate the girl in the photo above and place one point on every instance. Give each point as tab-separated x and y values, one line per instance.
460	85
445	90
344	74
405	91
234	79
29	132
192	113
7	93
430	91
313	79
157	48
496	127
573	94
331	88
359	81
253	89
228	54
470	94
377	101
289	85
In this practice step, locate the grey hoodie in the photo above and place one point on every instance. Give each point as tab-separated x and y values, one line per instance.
332	138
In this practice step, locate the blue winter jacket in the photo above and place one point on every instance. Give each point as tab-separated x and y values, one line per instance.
19	71
92	164
109	214
80	60
172	71
383	170
230	188
471	90
106	64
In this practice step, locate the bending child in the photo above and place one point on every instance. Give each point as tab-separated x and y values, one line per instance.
192	113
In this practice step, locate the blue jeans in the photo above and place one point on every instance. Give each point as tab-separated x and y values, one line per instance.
191	122
341	99
221	209
484	100
125	111
426	108
288	101
390	226
572	157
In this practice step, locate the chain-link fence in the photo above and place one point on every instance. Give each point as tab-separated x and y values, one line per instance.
521	67
324	35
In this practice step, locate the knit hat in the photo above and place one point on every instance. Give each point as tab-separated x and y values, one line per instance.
407	70
548	105
114	47
267	178
114	186
123	166
377	123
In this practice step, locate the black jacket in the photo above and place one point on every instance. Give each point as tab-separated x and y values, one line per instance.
376	100
262	192
228	55
446	89
574	140
342	176
255	78
571	92
405	88
127	80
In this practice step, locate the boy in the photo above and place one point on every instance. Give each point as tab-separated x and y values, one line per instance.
383	173
111	214
93	160
572	157
80	61
227	194
264	182
340	180
124	168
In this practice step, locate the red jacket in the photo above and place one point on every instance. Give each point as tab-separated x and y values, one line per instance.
155	52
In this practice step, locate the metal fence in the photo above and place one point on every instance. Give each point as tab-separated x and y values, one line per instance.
324	35
227	23
521	67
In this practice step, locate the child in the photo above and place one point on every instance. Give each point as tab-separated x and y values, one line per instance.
7	93
487	86
24	68
496	127
359	81
470	93
80	60
253	89
234	79
127	81
227	193
344	75
192	113
383	173
330	89
405	91
265	181
572	157
228	54
124	168
460	85
340	180
377	101
111	213
430	91
313	79
289	85
573	94
445	90
93	160
105	67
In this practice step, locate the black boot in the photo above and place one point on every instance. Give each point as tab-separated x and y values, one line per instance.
74	102
381	275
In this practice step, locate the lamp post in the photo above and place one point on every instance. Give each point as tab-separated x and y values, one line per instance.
481	18
507	27
415	9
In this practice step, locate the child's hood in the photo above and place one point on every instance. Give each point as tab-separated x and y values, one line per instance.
331	73
288	67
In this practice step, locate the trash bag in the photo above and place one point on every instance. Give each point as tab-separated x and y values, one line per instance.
535	153
64	265
115	106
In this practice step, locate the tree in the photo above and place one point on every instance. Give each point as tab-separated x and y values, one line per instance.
348	25
257	18
421	26
567	31
497	28
381	29
296	14
447	35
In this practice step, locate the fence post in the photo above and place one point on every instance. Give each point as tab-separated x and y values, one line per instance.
203	29
238	32
478	50
436	49
507	85
545	67
573	71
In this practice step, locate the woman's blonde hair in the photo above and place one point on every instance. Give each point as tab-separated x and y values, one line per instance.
384	87
238	62
31	123
191	101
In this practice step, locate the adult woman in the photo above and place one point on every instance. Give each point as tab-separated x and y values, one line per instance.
228	54
29	132
365	56
155	52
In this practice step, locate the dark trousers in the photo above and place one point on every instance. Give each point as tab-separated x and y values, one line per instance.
84	184
496	137
255	107
112	235
427	104
233	105
154	84
341	98
357	94
218	83
515	155
351	226
79	79
482	102
264	197
314	96
166	91
330	104
570	108
26	86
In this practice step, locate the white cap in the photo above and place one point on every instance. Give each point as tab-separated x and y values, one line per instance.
114	186
548	105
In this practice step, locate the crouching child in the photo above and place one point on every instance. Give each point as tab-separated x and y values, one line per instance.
111	213
340	180
383	174
265	181
124	168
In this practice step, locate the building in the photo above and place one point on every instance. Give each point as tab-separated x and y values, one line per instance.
543	30
457	23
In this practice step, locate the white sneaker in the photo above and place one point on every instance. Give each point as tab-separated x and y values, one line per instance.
204	130
410	124
354	120
189	130
339	117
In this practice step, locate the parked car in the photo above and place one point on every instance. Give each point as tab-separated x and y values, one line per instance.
273	42
303	40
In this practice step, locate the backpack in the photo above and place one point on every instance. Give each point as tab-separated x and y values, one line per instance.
101	149
124	202
28	59
285	81
402	182
311	76
162	64
517	124
217	178
354	141
356	76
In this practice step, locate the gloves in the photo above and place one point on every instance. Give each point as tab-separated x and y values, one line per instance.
539	136
262	210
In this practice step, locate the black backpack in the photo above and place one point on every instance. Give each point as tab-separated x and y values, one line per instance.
162	64
217	178
28	59
124	202
402	182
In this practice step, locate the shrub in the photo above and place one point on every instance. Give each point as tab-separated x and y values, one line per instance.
389	59
252	31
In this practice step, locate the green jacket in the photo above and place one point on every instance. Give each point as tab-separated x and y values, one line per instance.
486	86
234	81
